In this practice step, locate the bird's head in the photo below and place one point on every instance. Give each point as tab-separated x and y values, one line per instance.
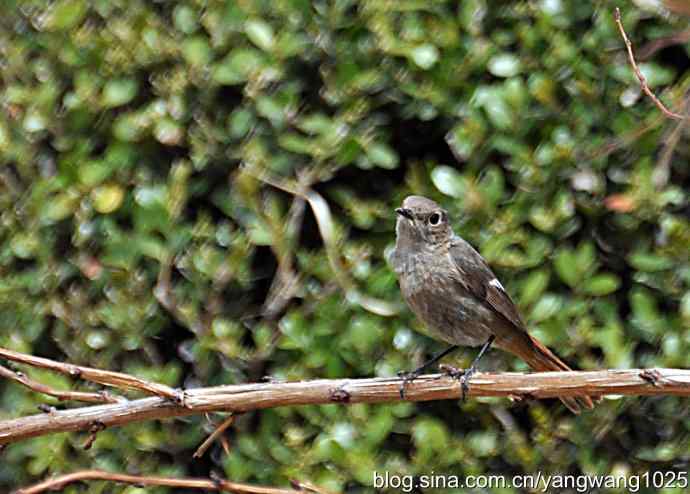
421	220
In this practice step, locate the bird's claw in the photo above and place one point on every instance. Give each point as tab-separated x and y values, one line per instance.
407	377
462	375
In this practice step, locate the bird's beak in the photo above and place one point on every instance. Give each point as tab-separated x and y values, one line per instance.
404	212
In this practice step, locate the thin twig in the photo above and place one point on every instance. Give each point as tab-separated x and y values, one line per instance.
623	141
256	396
108	378
286	282
654	46
327	229
662	170
212	437
164	295
638	72
212	484
23	379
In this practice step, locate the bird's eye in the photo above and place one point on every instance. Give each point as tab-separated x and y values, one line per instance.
435	219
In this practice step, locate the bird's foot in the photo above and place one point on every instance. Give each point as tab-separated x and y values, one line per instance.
407	377
462	375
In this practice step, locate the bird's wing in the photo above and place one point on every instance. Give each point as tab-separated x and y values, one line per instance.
476	275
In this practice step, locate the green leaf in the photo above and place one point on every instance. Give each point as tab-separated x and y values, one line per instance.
65	14
585	259
449	181
430	434
504	65
464	138
240	122
601	284
118	92
425	56
492	100
107	198
382	155
547	307
185	19
197	51
644	261
25	245
644	308
260	33
534	286
565	263
237	66
492	184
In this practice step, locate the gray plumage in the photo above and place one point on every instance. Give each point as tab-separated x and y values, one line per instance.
451	288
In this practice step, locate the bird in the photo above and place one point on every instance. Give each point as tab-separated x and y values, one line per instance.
450	287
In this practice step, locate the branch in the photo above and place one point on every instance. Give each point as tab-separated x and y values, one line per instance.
246	397
21	378
109	378
214	435
638	72
212	484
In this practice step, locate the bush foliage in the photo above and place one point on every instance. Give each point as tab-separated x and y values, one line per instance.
150	153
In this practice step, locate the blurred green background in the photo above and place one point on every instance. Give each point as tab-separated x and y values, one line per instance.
149	152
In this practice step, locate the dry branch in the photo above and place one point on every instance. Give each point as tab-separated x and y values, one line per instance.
23	379
214	435
215	484
246	397
638	73
108	378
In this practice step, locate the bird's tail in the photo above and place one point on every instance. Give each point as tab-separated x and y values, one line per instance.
541	359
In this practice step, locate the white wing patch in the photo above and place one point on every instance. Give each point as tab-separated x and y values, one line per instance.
497	284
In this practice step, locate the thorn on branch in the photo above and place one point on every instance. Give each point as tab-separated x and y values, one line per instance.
46	408
180	398
96	427
339	395
517	399
74	371
652	376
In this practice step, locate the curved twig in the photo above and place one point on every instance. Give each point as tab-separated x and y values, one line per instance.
32	384
108	378
212	484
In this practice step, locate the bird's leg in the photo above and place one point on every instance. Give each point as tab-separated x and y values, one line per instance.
409	376
465	374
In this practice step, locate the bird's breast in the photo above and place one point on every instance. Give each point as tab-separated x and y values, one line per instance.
434	292
425	273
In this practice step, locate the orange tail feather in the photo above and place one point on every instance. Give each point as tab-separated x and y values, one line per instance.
541	359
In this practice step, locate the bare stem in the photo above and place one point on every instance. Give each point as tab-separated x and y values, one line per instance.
256	396
638	72
108	378
214	435
21	378
213	484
